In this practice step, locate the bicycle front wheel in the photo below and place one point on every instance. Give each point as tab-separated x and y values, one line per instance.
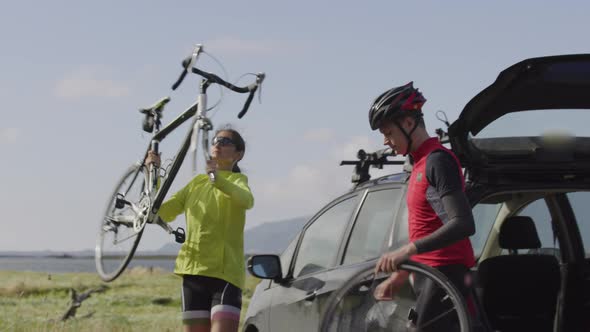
353	306
122	225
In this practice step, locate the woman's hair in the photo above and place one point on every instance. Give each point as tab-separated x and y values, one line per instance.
239	143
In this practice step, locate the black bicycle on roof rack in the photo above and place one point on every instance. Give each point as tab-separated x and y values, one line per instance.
140	192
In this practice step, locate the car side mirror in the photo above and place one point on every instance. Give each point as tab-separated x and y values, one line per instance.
265	267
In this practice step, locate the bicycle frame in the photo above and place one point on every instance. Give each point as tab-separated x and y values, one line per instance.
200	123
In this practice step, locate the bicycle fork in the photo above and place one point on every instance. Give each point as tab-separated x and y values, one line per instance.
202	125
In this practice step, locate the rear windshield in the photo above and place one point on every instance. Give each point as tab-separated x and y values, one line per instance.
546	123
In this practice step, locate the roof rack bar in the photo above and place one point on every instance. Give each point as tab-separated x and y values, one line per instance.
365	160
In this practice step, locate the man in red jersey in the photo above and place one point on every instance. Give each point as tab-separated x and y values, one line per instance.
440	220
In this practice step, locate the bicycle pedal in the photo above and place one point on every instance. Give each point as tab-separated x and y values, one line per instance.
179	235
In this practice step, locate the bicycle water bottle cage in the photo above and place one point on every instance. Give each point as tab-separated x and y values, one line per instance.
120	201
179	235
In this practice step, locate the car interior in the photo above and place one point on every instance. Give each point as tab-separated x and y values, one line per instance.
519	279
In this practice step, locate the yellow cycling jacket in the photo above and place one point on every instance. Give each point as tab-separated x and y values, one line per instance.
215	216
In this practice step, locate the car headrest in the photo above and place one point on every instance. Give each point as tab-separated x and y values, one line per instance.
519	232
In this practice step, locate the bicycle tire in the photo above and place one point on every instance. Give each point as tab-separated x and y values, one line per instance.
110	264
331	320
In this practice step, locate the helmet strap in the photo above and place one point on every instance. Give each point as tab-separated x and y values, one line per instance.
408	135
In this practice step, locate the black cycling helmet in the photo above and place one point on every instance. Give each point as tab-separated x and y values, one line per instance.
399	101
394	104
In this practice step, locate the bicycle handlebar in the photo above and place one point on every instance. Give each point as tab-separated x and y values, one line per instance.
212	78
179	80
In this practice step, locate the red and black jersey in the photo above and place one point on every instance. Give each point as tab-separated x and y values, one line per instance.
436	172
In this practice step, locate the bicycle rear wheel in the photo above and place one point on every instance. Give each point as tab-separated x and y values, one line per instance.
353	307
122	225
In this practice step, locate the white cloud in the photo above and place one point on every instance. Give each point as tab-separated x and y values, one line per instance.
350	149
319	135
305	188
89	82
9	135
302	191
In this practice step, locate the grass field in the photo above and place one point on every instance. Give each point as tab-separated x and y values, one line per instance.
139	300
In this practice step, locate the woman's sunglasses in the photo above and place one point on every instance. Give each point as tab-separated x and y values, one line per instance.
223	141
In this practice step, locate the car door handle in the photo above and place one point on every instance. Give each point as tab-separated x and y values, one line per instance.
311	296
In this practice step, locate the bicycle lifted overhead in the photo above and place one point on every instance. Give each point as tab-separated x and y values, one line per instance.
140	192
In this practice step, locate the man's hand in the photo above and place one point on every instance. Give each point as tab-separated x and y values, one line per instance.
387	289
153	158
389	261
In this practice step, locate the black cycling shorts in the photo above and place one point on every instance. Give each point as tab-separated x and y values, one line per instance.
206	298
430	301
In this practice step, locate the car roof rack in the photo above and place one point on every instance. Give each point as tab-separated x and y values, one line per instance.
367	159
379	158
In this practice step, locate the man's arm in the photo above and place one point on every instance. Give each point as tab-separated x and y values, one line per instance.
460	224
443	174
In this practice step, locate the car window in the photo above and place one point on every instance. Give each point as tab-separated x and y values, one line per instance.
287	255
319	246
539	212
400	235
371	228
484	216
579	202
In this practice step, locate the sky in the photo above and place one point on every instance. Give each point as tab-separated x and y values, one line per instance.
74	74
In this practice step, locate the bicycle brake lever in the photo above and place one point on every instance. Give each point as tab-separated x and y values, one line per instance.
259	79
211	176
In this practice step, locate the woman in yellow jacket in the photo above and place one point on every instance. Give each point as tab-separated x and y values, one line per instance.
211	260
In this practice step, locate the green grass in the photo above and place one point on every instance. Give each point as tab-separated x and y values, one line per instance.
139	300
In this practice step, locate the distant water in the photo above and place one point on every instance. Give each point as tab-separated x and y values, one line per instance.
85	264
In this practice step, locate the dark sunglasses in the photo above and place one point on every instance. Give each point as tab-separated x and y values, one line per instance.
223	141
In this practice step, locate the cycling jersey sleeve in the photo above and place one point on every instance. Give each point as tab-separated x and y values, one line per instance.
237	189
444	176
174	206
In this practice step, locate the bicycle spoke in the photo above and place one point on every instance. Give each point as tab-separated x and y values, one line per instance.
132	182
385	317
438	317
118	236
115	241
